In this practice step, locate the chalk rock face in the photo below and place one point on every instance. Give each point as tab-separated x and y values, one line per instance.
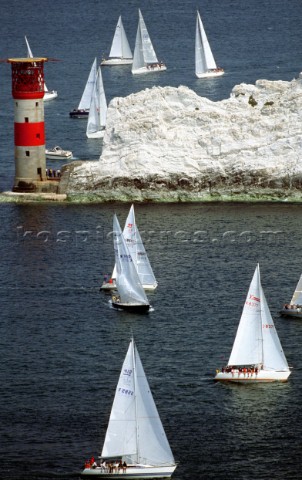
170	144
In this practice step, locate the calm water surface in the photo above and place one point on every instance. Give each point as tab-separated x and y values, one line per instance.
61	345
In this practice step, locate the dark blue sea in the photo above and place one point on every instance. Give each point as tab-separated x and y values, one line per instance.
61	345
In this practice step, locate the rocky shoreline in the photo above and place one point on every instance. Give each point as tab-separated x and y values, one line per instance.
183	189
170	145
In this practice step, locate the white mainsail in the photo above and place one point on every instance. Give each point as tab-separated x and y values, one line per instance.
204	59
135	431
257	341
137	251
98	109
127	280
87	93
120	46
297	296
144	53
139	255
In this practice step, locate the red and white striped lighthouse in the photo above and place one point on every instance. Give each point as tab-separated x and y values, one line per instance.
28	93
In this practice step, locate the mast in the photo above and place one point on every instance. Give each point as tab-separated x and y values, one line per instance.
135	399
261	314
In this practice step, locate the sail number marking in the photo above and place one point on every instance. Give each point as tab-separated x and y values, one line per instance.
267	325
125	391
251	304
126	257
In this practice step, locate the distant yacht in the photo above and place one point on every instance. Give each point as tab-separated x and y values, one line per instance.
83	108
48	94
205	65
144	58
96	122
294	307
139	256
120	53
130	295
257	355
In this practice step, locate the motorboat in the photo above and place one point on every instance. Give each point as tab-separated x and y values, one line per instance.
57	153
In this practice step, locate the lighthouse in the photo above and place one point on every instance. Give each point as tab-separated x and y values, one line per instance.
29	128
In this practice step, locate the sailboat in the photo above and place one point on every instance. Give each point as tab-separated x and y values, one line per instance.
120	53
139	256
294	307
144	57
205	65
257	355
98	109
83	108
135	443
130	294
48	94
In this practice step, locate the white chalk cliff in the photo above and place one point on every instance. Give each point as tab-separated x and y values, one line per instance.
170	144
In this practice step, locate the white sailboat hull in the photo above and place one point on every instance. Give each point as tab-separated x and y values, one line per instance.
98	134
150	69
210	74
139	471
117	61
260	377
294	312
50	95
112	286
108	286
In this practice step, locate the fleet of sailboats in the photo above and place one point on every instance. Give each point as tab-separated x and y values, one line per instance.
130	294
257	355
135	444
48	94
205	65
139	256
294	307
96	122
120	52
144	57
83	108
135	438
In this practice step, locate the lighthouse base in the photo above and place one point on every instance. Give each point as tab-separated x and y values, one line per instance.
23	197
30	186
